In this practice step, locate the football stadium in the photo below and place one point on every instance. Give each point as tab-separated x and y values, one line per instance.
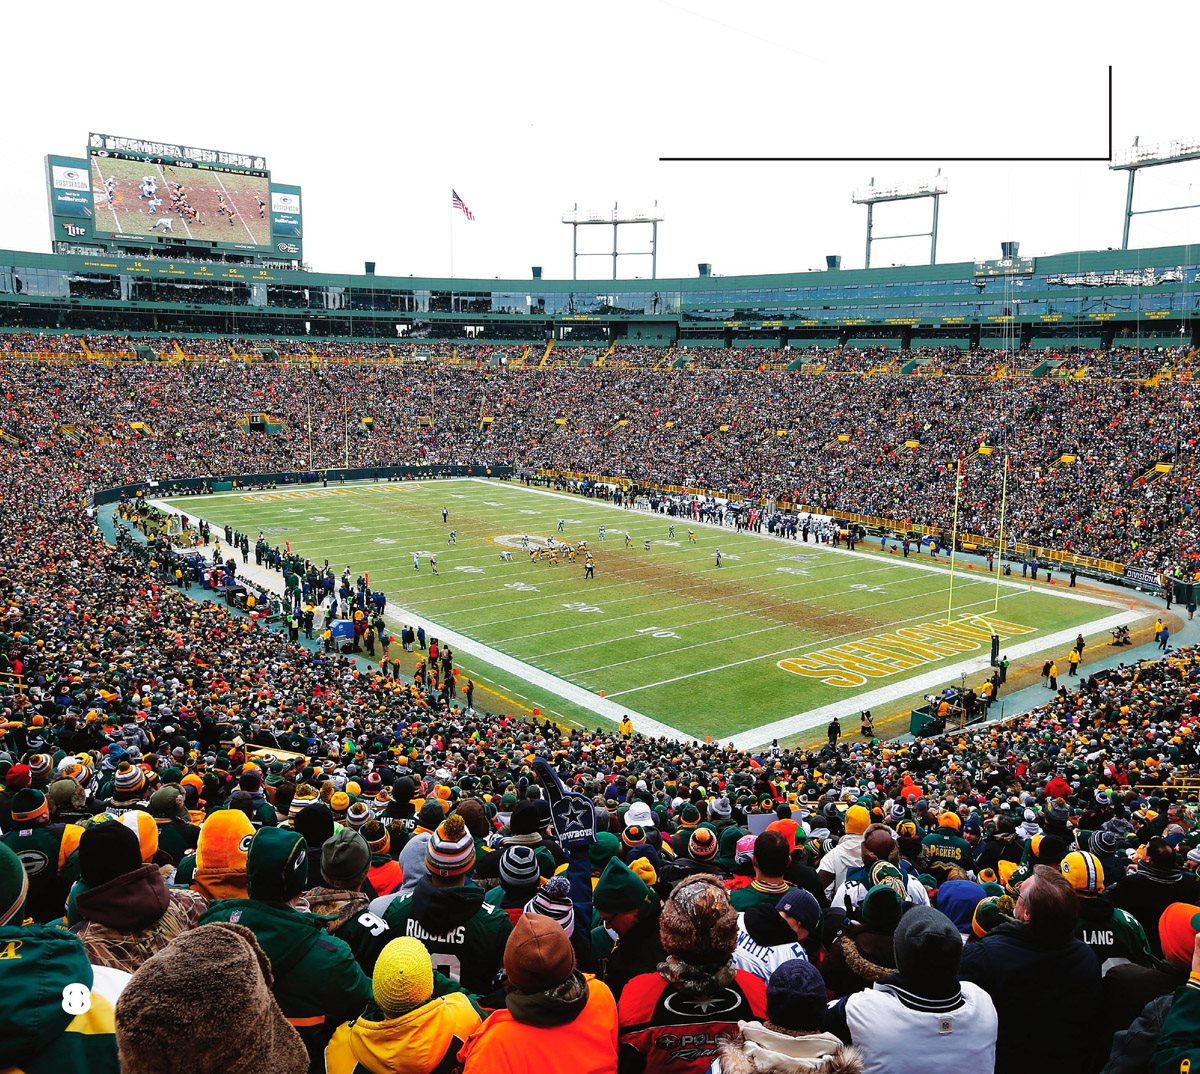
635	673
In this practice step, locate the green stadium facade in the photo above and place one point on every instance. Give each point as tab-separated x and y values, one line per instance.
1145	297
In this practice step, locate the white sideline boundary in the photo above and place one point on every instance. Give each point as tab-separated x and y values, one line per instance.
610	710
568	691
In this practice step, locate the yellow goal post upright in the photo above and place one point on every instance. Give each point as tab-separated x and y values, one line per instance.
958	474
1000	551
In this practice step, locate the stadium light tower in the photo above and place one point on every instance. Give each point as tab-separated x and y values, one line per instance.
1151	156
870	197
614	219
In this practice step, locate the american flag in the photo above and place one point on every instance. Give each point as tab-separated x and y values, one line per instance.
458	203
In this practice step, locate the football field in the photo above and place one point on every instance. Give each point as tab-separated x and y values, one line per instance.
773	642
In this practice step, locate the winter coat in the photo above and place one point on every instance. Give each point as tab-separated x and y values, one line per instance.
318	985
37	1036
424	1041
899	1029
666	1031
858	959
1179	1039
1133	1048
760	1050
44	850
131	917
1046	993
1129	989
576	1021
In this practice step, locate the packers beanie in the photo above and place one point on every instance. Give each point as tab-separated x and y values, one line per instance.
345	858
40	767
376	835
519	867
339	802
702	846
129	778
14	886
358	815
107	851
277	865
1083	872
991	912
689	816
403	976
451	850
634	836
29	806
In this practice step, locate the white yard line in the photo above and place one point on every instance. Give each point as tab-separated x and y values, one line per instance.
577	695
182	220
229	204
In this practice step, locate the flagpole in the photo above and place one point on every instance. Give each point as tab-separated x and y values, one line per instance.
452	238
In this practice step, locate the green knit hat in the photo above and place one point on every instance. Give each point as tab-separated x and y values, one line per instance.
14	886
620	889
603	850
277	865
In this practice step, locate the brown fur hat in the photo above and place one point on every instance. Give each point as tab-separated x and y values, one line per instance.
203	1005
698	924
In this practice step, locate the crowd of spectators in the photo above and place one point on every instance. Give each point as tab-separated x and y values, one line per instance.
399	889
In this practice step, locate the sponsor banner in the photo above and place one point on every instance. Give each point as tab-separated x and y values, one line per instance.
69	189
286	216
1141	576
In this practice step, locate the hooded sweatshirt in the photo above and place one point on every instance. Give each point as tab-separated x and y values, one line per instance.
37	1035
464	935
424	1041
126	920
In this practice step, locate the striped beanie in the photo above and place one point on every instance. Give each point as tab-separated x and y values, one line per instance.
451	850
358	814
634	836
304	796
376	835
553	900
702	846
129	778
403	976
40	767
29	805
519	867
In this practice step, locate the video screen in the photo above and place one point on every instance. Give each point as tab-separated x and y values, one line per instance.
134	196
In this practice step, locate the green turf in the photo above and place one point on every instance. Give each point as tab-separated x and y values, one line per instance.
663	631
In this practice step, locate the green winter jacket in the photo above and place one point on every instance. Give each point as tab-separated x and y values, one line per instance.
318	985
38	1033
1178	1046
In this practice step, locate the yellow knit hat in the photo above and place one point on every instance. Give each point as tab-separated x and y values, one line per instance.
857	820
403	977
644	868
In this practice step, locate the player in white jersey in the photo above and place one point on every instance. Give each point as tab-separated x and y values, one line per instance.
153	205
166	222
416	561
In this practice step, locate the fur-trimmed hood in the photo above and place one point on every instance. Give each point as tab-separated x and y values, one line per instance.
758	1049
854	950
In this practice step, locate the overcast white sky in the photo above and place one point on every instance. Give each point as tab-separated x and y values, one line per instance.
529	108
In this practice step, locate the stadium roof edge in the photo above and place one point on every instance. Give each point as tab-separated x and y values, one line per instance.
1077	261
